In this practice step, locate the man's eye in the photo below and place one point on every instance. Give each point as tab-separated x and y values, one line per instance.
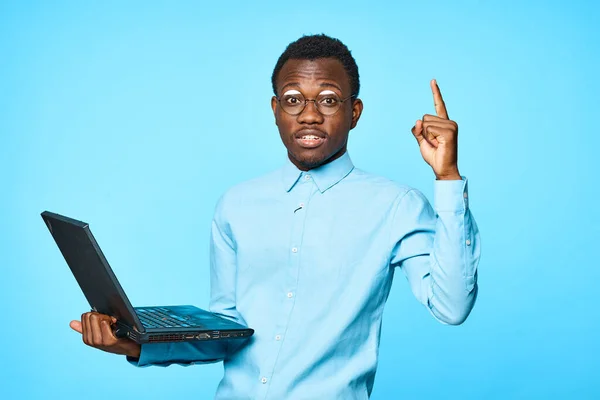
291	100
328	101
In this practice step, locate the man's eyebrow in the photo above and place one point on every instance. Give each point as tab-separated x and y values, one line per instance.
289	84
325	84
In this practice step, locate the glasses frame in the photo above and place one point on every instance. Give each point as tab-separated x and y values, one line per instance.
316	106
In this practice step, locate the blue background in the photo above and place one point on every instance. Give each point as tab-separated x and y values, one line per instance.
136	117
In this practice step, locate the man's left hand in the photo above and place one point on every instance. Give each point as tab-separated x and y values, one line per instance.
437	136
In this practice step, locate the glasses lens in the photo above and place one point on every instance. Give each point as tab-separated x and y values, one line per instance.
328	103
292	103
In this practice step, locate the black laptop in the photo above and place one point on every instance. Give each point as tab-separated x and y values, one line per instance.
106	296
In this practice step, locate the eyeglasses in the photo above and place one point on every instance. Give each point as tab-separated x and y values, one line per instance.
327	102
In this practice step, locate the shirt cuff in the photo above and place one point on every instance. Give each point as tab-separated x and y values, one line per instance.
151	353
451	196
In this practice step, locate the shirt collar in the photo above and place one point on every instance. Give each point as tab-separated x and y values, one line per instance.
325	176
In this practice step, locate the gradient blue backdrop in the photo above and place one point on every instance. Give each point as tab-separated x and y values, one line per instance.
135	118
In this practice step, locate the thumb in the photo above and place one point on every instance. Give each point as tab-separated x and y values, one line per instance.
417	131
76	326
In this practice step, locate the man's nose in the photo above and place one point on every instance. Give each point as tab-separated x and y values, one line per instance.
310	114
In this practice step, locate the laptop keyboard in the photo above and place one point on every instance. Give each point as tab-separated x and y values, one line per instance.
157	317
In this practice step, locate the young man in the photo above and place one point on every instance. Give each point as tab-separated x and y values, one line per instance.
306	254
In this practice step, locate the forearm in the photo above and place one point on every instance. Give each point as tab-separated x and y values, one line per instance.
181	353
452	281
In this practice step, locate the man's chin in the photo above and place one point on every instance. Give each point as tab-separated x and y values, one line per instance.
307	162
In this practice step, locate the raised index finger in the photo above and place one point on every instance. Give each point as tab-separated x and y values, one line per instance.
440	107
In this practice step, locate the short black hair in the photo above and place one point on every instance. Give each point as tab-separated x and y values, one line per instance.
312	47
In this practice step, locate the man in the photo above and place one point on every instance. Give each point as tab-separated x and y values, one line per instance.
306	254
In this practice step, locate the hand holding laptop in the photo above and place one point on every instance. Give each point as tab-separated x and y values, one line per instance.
96	331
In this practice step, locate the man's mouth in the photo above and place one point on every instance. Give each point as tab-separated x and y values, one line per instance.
309	140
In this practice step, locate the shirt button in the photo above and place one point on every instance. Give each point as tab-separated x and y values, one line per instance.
294	250
307	177
290	294
468	242
301	204
263	380
465	195
278	337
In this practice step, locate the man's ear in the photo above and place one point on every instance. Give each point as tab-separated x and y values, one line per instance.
274	107
357	108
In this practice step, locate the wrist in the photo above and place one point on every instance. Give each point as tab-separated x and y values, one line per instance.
135	351
448	172
455	176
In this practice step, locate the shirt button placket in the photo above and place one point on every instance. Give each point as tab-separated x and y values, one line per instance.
302	194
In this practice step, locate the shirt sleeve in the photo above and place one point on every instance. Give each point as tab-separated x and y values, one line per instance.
222	302
438	249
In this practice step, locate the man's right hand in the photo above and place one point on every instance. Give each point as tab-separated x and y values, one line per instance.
96	331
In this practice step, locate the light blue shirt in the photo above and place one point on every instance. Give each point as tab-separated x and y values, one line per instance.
306	259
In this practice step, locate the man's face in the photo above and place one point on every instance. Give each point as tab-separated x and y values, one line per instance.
312	138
